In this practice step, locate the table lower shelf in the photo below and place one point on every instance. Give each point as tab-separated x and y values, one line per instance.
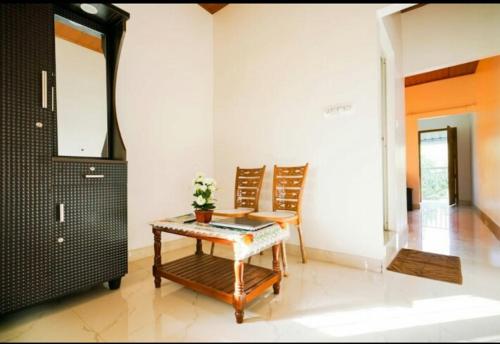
214	276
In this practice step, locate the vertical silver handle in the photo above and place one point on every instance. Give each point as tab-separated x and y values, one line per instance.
44	89
52	98
61	212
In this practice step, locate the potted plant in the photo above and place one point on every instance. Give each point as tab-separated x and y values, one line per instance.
204	202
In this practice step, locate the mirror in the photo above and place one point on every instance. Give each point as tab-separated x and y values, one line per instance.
82	109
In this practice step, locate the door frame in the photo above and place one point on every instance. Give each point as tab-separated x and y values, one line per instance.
420	164
385	167
452	164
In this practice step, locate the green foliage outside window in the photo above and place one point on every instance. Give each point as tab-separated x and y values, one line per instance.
434	180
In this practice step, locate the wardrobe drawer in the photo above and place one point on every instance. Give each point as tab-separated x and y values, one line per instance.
92	173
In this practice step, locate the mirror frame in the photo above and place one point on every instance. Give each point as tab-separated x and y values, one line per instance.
111	21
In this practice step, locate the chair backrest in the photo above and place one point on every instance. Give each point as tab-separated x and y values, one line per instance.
247	187
288	184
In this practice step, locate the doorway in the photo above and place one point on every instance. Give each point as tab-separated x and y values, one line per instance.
438	165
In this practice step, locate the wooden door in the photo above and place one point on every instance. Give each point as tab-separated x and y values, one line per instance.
452	166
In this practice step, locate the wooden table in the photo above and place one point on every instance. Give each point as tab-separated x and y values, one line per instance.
231	281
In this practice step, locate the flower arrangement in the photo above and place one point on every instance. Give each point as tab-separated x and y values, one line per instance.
203	191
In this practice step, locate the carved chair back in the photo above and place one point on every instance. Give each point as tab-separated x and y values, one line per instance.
288	185
247	187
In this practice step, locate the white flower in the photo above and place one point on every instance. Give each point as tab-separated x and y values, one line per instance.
211	199
211	188
199	178
203	187
200	200
209	181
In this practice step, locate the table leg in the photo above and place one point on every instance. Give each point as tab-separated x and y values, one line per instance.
157	258
276	267
239	296
199	247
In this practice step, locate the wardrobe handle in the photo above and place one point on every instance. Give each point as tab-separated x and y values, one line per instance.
61	212
44	89
52	98
94	176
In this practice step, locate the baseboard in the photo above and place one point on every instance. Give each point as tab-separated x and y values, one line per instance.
344	259
492	226
148	251
460	202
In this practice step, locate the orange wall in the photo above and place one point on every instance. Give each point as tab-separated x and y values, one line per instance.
478	93
487	148
440	95
437	98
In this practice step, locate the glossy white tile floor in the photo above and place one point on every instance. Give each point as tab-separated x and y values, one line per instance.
318	301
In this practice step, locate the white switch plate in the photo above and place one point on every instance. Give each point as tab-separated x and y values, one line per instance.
338	109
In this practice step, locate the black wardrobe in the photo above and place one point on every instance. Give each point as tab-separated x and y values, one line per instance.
63	218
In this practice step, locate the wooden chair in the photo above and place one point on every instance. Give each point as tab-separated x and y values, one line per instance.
288	185
247	188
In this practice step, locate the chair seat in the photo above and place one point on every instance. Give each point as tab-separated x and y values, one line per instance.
234	212
277	216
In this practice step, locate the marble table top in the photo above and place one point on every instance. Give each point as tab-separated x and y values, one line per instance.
245	243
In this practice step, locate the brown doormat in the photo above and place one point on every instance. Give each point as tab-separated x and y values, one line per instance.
429	265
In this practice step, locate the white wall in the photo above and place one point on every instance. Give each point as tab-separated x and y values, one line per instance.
391	44
164	107
463	123
276	68
441	35
82	113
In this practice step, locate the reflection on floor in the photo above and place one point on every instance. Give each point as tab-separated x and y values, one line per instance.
455	231
318	301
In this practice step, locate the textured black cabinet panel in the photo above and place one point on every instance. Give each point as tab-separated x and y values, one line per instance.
94	232
27	234
40	257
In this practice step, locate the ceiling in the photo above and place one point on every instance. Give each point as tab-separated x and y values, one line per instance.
414	7
440	74
212	8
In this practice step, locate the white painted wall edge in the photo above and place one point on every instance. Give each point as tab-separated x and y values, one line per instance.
390	44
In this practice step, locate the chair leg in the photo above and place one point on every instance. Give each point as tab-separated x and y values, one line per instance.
302	250
283	259
212	249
